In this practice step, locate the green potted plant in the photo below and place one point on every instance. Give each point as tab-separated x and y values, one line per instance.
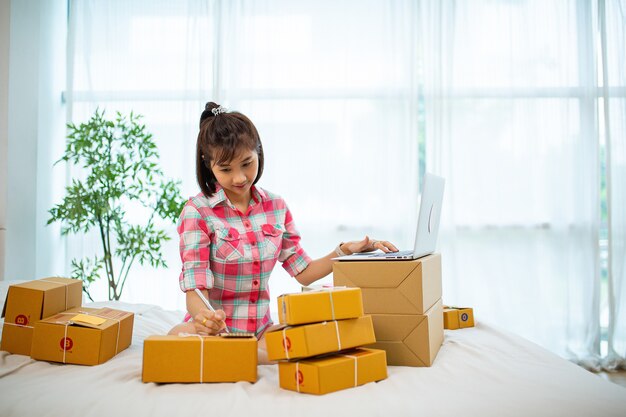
120	162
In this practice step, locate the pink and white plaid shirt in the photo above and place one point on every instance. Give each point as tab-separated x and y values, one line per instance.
232	254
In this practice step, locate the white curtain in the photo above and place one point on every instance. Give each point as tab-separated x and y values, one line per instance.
613	50
330	86
511	92
519	104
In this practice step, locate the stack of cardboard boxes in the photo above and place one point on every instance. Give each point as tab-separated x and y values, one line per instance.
44	319
404	301
322	323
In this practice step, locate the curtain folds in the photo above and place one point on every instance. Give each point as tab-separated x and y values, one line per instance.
515	122
330	86
521	105
613	33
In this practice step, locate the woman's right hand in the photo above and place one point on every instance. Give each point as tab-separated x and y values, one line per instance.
208	322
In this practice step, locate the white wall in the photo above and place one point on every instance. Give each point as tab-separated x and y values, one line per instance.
5	28
36	115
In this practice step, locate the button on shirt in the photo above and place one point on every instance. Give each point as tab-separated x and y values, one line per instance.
232	254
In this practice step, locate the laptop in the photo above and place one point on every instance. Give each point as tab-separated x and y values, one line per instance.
427	226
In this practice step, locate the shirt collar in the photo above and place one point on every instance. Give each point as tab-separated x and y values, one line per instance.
219	196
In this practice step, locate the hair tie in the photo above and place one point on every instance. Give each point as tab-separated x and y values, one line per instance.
219	110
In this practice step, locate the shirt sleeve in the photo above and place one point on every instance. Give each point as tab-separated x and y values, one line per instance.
292	256
194	250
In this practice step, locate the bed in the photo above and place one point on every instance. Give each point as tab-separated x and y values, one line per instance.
479	371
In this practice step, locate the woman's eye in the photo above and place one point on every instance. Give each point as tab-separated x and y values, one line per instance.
225	170
246	164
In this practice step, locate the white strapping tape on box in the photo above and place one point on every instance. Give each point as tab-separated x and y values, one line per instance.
356	368
182	334
330	294
332	305
298	376
18	325
65	339
201	358
285	342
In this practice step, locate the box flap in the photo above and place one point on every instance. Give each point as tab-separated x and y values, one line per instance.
23	305
112	317
374	274
34	285
38	284
395	326
59	318
399	354
395	287
4	308
108	313
415	342
430	330
61	295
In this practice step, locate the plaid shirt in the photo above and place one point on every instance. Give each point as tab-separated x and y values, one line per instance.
232	254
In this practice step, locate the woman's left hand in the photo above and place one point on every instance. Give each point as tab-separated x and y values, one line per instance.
368	245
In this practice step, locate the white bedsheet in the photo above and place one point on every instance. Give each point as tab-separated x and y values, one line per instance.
480	371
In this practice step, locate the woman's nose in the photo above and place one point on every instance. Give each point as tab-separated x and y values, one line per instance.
240	178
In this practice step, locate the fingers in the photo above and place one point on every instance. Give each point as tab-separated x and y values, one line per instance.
209	322
219	314
384	246
391	246
369	244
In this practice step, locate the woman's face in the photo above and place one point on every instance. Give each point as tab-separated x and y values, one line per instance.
236	176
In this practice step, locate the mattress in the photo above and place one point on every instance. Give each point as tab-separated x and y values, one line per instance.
483	371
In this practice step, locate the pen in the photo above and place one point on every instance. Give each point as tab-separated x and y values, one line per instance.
208	305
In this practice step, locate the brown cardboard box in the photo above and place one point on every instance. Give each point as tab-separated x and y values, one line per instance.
315	339
83	336
333	373
457	317
17	339
31	301
393	287
316	306
410	340
195	358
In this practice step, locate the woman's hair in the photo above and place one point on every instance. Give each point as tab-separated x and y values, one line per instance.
222	135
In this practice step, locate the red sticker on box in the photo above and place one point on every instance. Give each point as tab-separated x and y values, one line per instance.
286	343
66	343
21	320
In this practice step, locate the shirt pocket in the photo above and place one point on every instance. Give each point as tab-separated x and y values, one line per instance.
272	238
228	245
